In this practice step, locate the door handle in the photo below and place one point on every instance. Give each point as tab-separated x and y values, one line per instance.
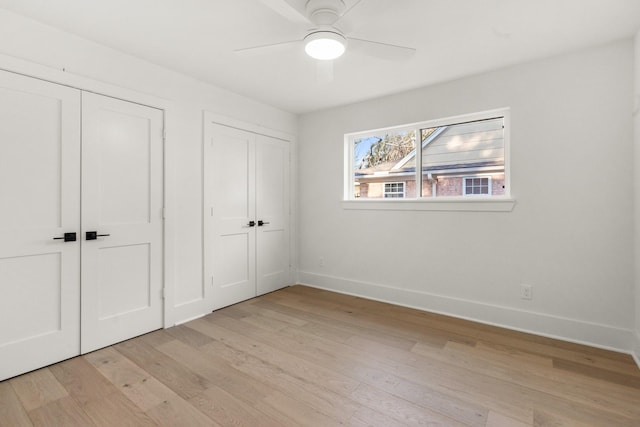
93	235
251	224
261	223
68	237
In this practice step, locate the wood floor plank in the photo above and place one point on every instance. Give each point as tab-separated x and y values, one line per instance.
116	410
139	386
62	412
178	412
82	381
37	388
226	409
12	413
189	336
218	371
183	381
399	409
496	419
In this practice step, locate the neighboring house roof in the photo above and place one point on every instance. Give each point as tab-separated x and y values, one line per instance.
466	147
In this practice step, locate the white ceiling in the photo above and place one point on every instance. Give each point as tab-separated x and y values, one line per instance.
453	38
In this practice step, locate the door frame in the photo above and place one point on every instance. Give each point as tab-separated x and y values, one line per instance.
218	119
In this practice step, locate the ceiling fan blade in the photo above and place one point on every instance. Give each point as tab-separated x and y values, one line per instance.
286	9
388	51
267	48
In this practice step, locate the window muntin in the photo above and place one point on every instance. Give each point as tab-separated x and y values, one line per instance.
477	186
449	151
394	190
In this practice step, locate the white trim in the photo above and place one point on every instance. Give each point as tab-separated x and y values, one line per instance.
636	348
466	204
219	119
572	330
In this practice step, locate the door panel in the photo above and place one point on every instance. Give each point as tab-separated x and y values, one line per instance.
121	200
40	195
272	207
229	195
125	151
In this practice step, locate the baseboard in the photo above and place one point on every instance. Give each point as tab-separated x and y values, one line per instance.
636	348
566	329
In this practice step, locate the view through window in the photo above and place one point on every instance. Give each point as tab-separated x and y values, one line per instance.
457	157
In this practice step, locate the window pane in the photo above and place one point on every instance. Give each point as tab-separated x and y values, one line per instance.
462	149
378	159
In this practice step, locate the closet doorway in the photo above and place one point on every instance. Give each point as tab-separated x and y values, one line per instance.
246	247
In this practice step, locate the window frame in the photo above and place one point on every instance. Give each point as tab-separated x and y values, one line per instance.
384	190
464	185
499	203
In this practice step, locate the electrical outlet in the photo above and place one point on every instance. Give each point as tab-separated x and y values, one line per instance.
321	262
526	291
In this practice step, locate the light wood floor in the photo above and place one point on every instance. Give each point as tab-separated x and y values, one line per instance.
306	357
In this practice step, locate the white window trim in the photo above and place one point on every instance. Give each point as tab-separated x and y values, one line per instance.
384	189
464	186
478	203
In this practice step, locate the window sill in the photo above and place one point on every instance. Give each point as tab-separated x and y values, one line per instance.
444	204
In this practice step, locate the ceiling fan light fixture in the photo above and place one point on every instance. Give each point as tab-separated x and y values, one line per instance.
325	45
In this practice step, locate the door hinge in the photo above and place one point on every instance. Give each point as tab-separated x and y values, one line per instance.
164	213
164	293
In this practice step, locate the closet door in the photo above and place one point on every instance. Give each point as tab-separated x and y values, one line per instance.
40	202
272	214
230	251
246	229
122	156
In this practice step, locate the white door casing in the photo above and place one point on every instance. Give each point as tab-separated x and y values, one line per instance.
246	218
39	201
122	200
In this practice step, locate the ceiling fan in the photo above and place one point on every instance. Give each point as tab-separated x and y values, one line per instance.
324	40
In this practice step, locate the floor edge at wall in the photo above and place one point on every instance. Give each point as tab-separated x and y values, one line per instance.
565	329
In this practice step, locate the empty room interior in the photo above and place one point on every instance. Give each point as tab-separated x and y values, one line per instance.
319	213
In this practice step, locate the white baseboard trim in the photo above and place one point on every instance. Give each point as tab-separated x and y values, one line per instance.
636	348
572	330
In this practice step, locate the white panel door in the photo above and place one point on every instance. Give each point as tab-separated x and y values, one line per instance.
122	200
229	211
246	199
39	201
272	214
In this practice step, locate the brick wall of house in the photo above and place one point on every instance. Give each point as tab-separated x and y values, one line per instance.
446	186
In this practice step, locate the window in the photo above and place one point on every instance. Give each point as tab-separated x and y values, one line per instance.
439	159
393	189
477	186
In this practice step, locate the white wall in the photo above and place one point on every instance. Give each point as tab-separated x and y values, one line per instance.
636	120
31	48
568	235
